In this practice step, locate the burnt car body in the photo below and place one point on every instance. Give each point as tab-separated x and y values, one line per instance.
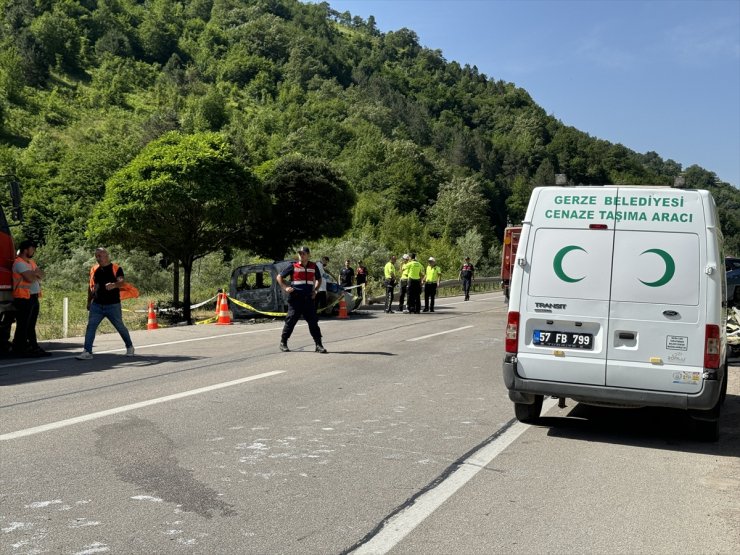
257	286
732	266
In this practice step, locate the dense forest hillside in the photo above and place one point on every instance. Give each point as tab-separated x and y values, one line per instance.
408	151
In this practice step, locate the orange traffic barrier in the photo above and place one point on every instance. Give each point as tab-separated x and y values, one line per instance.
343	308
224	318
151	319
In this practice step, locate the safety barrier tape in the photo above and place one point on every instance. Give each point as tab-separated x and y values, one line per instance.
243	305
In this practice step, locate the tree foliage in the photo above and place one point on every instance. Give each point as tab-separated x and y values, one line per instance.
86	86
183	196
310	200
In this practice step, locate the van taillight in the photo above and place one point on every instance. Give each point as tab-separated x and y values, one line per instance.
512	332
711	347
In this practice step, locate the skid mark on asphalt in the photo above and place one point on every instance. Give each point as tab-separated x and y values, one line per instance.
144	456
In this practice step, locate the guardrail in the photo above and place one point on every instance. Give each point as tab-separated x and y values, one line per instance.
380	299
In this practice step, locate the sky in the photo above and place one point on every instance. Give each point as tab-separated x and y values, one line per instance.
661	75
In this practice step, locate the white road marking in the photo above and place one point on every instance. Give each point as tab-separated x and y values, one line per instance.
400	525
439	333
133	406
141	347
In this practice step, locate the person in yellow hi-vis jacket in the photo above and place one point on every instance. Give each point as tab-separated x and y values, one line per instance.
416	273
389	280
431	283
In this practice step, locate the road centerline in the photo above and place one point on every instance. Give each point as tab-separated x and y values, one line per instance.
133	406
438	333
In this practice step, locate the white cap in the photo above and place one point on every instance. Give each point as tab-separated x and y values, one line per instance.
405	257
431	259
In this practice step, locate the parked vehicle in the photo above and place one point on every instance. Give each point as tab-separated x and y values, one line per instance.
7	257
508	255
617	299
257	286
732	266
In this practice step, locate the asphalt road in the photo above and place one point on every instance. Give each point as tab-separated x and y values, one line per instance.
400	440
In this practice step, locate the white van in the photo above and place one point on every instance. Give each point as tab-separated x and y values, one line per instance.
617	299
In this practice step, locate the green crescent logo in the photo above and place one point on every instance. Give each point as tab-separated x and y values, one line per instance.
557	263
670	268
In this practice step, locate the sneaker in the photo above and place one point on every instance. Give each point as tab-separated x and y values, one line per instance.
284	347
130	351
320	348
84	355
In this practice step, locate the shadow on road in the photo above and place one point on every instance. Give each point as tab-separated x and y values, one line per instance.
650	427
61	365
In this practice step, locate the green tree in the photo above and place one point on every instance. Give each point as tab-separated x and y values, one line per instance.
460	207
312	200
183	196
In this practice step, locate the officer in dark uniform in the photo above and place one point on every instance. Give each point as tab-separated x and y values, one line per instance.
305	279
467	273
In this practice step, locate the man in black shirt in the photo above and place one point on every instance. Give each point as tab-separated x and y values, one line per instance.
104	301
346	275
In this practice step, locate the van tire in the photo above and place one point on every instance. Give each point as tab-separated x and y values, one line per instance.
529	414
706	430
723	388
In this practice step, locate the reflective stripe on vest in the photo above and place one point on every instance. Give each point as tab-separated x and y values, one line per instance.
21	287
303	275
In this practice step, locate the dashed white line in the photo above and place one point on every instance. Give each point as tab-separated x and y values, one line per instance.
125	408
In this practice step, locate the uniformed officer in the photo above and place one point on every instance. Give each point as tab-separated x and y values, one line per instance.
432	279
389	276
305	280
467	275
416	273
404	281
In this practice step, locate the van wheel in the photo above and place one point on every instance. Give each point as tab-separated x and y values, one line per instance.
529	414
723	389
706	430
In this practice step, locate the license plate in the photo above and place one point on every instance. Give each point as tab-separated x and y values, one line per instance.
565	339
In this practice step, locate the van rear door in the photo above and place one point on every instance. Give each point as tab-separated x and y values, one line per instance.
564	304
656	336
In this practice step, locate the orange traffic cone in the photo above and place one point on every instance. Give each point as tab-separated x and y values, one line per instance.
218	302
224	318
343	308
151	319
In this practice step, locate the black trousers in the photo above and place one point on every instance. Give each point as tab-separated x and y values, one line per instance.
402	294
26	315
414	295
467	282
320	301
299	305
389	286
430	291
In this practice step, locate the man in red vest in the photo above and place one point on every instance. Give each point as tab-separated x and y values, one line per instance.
107	288
26	292
304	281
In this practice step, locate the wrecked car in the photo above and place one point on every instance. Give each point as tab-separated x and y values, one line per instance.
256	285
